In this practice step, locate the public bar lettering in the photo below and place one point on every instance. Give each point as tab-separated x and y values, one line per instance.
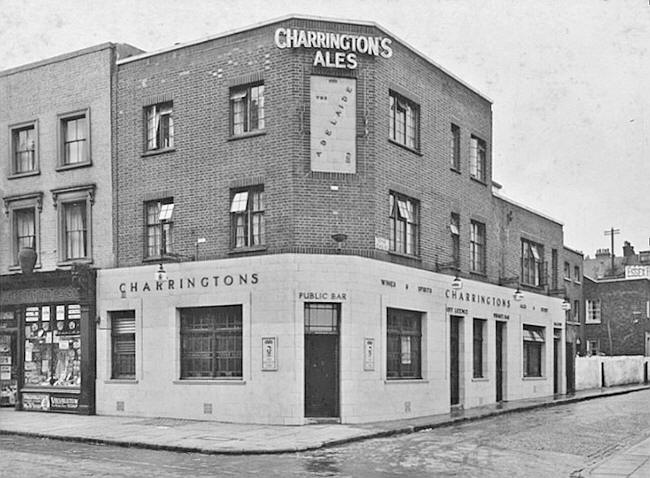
348	46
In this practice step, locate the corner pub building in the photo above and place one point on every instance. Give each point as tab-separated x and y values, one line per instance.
307	229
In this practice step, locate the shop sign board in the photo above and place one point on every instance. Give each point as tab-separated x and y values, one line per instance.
637	272
36	401
64	402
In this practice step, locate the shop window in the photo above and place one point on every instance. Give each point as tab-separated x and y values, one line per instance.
53	346
123	344
74	139
247	109
211	342
404	121
404	339
534	343
593	311
160	126
74	207
159	227
477	247
479	347
532	263
454	228
404	224
247	217
477	159
24	148
455	147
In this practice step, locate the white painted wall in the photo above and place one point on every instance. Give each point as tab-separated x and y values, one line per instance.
618	370
272	307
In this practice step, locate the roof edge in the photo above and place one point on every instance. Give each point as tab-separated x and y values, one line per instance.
312	18
531	210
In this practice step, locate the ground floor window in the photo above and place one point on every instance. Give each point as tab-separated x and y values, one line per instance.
593	347
404	338
211	342
123	344
479	348
533	350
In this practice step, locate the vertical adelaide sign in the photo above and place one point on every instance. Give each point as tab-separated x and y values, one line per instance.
333	124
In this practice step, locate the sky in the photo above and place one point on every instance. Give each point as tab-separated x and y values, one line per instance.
569	81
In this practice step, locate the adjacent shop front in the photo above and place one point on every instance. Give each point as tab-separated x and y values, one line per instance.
47	340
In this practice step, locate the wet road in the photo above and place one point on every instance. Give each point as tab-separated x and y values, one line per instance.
550	442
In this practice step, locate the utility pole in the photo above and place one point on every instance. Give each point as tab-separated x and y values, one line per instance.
611	233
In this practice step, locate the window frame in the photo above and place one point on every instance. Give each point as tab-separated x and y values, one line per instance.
397	101
477	249
479	348
533	347
22	202
404	218
66	196
246	91
158	136
62	121
532	263
400	332
117	338
478	159
14	130
213	333
454	222
165	226
455	147
593	311
248	214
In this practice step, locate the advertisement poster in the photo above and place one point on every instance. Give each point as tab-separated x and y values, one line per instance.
59	402
369	354
36	401
269	348
333	124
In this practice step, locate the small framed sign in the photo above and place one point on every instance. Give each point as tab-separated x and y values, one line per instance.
269	353
368	354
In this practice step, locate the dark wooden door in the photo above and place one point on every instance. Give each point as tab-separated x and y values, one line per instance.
556	366
321	376
454	360
500	327
570	368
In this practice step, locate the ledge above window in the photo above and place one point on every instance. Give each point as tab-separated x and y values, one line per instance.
155	152
408	148
249	134
24	175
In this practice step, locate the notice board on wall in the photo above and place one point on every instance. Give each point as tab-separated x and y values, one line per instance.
333	107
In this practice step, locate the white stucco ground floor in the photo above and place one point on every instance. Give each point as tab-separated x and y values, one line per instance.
289	338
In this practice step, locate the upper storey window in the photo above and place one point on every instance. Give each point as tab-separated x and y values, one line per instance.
74	139
455	147
532	263
160	126
477	159
404	224
404	121
23	149
247	109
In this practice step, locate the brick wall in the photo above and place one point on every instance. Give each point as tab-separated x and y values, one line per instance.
620	299
41	92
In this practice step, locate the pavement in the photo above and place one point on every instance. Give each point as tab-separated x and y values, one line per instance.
240	439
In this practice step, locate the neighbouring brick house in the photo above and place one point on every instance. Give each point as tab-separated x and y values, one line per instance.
617	316
55	183
306	229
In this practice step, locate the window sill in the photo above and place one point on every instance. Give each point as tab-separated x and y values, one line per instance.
478	180
16	268
244	250
589	322
408	148
126	381
216	381
24	175
154	259
478	274
65	167
567	279
577	282
156	152
250	134
455	170
391	381
71	262
533	379
480	379
407	256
